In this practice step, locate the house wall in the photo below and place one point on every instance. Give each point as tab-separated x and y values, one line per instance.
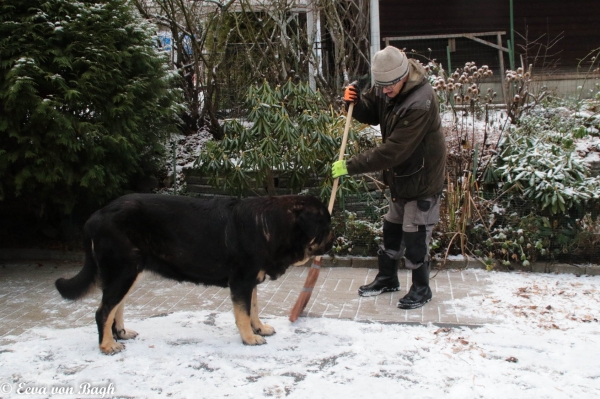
577	20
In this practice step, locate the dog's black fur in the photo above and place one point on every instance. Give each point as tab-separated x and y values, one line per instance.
225	242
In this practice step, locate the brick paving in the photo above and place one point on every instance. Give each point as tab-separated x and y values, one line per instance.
28	298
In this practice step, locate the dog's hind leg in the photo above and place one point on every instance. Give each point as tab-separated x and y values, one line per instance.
257	326
241	296
112	299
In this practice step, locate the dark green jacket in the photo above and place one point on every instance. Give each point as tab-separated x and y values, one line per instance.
413	153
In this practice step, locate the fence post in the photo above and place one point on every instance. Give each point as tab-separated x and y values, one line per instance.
502	70
511	55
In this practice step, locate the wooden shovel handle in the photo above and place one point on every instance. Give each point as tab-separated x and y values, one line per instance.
311	279
341	156
336	181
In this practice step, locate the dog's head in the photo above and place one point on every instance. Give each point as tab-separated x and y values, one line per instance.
314	220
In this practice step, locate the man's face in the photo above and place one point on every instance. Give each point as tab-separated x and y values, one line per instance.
393	90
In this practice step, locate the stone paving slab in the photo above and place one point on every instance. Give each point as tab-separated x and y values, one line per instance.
28	298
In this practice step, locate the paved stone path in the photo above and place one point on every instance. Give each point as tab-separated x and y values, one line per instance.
28	298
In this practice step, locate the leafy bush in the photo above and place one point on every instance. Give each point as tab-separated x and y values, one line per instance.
545	173
516	238
86	101
588	237
356	236
517	202
290	135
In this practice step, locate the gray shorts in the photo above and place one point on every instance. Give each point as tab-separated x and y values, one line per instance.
412	214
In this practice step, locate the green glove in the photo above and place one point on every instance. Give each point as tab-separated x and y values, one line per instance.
339	169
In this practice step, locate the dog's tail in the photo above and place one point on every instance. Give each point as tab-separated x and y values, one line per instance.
79	285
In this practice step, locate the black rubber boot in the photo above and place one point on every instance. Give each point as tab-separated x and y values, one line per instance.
419	293
386	280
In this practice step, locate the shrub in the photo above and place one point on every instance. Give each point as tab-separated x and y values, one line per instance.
289	135
86	101
355	236
517	201
545	173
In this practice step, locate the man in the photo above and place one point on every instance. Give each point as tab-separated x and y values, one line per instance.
412	157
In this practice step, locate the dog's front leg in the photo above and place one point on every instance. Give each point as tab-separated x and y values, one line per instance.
119	330
257	326
241	297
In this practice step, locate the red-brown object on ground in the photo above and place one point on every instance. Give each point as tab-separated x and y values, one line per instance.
313	273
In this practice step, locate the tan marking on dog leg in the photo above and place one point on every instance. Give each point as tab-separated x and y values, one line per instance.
242	321
260	277
108	345
123	333
257	326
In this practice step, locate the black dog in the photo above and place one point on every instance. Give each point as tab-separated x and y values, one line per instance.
225	242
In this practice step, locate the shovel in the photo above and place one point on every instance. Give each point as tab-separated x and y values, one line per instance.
313	273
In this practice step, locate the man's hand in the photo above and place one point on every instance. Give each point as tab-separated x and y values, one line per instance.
338	168
351	93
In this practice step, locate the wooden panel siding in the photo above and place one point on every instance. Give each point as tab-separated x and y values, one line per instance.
578	20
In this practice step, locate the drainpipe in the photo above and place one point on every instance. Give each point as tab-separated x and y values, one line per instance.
512	37
313	27
375	33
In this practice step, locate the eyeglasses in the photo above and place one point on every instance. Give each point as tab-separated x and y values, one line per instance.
389	87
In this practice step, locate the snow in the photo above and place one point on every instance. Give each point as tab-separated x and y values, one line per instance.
588	148
582	115
544	343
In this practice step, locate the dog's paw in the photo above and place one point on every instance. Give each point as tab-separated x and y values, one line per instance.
254	340
112	348
265	330
126	334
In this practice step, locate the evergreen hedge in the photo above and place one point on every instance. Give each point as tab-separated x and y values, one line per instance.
86	101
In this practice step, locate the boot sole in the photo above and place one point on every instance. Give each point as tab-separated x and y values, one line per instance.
378	292
414	305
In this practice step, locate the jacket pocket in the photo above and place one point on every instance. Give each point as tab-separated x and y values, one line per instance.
413	165
402	171
408	178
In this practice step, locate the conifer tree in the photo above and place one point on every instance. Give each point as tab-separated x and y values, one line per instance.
86	101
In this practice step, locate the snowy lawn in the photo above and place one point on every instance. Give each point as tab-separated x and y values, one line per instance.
545	344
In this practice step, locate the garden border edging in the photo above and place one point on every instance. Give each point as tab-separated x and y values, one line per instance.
37	254
535	267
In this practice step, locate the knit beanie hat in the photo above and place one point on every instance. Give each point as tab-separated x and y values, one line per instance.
389	66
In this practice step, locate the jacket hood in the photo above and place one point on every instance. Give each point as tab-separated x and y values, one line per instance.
416	74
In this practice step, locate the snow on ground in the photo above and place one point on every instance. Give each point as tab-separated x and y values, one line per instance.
545	344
